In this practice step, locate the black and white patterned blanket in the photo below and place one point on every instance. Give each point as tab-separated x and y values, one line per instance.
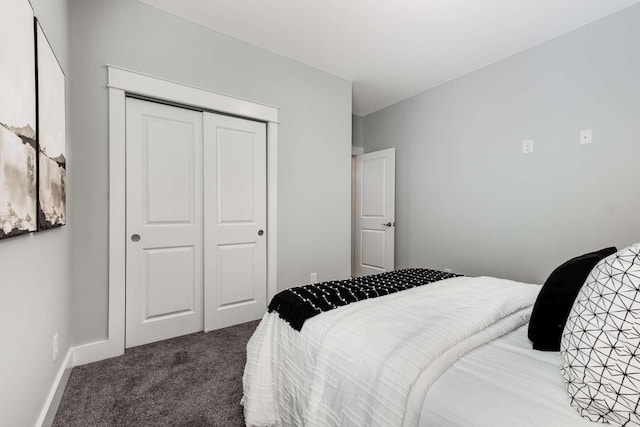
296	305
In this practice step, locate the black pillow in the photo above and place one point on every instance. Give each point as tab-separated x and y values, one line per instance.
554	302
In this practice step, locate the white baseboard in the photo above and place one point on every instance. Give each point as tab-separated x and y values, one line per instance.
96	351
76	356
50	407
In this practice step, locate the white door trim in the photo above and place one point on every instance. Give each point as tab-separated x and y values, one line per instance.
120	83
133	82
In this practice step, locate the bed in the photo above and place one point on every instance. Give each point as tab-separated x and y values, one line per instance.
503	382
388	361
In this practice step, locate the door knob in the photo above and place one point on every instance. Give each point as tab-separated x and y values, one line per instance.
260	232
135	237
389	224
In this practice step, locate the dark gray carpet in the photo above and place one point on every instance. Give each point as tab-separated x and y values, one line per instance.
195	380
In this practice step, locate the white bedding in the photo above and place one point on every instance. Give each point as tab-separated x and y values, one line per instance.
502	383
371	363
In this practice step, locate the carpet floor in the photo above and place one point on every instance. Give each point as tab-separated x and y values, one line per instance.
194	380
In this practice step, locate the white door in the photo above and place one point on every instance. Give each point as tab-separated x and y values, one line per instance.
164	270
235	203
375	212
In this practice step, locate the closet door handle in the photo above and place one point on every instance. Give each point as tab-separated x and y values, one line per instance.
135	237
389	224
260	232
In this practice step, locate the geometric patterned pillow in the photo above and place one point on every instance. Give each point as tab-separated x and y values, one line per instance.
600	344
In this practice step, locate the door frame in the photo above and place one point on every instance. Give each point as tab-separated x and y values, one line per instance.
123	82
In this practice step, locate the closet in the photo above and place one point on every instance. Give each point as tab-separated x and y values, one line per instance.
196	203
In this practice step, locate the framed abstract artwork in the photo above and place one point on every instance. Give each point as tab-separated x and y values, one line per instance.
18	198
52	178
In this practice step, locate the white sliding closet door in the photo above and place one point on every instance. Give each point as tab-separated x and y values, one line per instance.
235	204
164	272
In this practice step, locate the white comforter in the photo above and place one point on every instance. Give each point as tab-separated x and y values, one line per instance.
504	382
371	363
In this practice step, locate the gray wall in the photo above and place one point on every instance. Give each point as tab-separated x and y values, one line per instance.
468	199
314	139
357	126
35	285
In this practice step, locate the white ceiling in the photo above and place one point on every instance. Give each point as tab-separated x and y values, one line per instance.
393	49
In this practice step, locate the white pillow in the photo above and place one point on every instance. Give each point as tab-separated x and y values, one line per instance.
600	344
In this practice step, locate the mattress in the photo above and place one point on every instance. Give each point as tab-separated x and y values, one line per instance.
372	362
389	361
502	383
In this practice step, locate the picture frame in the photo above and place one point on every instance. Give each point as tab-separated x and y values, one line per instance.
51	134
18	122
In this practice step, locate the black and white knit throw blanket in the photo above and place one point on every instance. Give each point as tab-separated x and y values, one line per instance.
296	305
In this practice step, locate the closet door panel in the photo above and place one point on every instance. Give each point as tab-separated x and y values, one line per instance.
164	273
235	189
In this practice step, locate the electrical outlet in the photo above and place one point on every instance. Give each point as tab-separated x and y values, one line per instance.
55	346
313	278
527	146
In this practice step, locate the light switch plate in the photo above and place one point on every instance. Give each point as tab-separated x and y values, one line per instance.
586	137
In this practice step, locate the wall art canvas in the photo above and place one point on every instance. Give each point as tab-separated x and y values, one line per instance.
52	177
17	119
